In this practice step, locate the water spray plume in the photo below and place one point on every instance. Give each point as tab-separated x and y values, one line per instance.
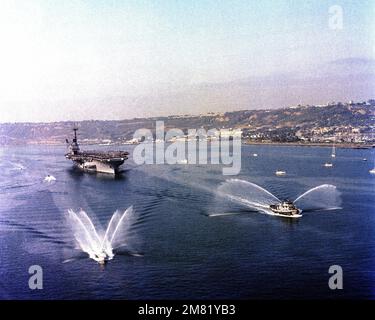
247	193
100	248
323	197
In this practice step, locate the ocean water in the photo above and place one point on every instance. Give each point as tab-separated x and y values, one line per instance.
184	253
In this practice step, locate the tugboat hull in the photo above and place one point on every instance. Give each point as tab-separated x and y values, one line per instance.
294	215
286	209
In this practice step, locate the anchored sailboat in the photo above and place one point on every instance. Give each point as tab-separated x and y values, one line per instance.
333	154
372	171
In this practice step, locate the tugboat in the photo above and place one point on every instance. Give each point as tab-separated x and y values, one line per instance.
101	258
286	209
95	161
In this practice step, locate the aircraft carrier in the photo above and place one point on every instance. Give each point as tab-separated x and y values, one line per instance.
95	161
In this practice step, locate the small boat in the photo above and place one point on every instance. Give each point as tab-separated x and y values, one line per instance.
183	161
280	173
364	159
286	209
328	165
49	178
19	167
255	154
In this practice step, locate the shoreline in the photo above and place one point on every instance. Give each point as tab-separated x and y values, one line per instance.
314	144
246	143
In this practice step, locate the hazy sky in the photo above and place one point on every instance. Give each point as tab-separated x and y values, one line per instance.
58	57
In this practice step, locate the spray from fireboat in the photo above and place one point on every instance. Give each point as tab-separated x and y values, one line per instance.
254	197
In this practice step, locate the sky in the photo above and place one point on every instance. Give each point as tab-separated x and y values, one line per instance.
76	60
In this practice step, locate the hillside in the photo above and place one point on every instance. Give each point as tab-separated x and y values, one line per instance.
286	124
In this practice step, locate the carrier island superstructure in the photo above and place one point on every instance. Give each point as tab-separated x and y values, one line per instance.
95	161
